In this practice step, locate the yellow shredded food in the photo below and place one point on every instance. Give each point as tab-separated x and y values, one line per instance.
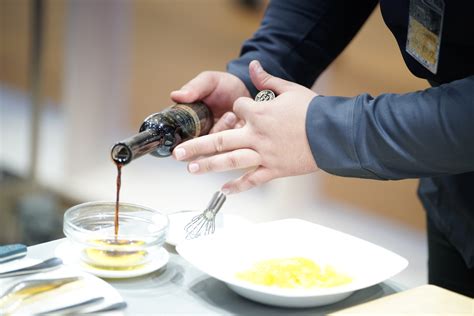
294	272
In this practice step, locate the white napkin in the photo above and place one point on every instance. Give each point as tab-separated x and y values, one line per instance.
75	292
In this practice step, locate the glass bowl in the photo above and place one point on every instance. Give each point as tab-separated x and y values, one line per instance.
91	230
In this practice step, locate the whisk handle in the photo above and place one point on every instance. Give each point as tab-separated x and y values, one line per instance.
216	202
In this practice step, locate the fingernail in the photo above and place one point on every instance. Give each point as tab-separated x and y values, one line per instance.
229	119
226	191
193	167
180	153
258	67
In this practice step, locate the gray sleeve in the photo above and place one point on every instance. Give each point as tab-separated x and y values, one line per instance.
395	136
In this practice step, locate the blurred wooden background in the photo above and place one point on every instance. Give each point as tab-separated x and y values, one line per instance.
172	41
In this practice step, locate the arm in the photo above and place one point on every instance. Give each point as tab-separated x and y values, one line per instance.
298	39
420	134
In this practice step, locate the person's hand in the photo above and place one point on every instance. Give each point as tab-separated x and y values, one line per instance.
272	142
218	90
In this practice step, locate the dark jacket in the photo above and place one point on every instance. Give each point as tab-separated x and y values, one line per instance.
425	134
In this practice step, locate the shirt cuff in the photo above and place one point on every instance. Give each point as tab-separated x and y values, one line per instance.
331	128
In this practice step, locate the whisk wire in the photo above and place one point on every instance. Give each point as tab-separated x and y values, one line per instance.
204	223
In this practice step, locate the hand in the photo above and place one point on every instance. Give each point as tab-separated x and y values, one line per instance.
273	141
218	90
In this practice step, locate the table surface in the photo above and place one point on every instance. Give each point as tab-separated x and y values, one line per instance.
180	288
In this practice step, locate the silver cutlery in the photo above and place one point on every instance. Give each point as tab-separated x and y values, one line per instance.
46	265
23	290
74	308
112	307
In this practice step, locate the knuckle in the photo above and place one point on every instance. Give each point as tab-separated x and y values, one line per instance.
219	143
257	138
232	161
210	76
238	186
238	103
251	180
259	110
205	73
265	79
192	150
206	77
207	165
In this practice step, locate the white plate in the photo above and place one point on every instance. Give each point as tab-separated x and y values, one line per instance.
224	254
70	257
88	287
178	220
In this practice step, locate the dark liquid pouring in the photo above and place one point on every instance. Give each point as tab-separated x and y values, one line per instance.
117	200
116	254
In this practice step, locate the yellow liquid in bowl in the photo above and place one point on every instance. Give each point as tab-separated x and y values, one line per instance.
294	272
116	254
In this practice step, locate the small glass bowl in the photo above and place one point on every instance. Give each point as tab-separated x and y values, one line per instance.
91	230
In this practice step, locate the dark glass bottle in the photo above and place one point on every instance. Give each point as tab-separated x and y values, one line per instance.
161	132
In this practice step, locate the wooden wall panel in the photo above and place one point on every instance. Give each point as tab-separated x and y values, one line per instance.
15	40
172	41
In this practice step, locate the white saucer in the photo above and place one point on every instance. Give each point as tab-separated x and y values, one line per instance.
66	252
178	220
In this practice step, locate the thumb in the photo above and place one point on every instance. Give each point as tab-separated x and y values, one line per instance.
196	89
263	80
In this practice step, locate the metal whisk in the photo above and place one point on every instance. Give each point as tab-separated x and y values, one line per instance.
205	223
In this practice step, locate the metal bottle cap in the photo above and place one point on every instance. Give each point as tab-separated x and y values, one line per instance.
265	95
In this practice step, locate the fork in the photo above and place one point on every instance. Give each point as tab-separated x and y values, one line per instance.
46	265
74	308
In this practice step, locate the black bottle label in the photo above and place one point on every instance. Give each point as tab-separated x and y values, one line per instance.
187	118
194	119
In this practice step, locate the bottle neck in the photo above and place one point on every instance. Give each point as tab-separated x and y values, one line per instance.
136	146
